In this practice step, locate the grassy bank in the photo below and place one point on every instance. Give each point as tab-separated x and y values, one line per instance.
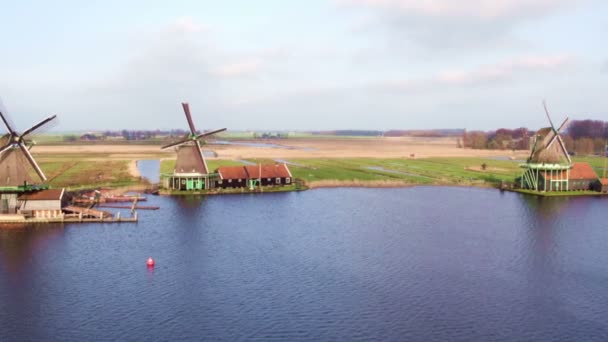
373	172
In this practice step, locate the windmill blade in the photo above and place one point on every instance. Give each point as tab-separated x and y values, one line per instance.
210	133
563	146
36	126
548	116
186	107
6	124
564	125
29	157
199	154
175	143
559	130
6	147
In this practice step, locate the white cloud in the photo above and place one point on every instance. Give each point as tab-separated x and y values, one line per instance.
450	24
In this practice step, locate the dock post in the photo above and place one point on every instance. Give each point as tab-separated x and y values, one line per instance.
118	216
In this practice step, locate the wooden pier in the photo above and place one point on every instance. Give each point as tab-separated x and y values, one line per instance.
71	215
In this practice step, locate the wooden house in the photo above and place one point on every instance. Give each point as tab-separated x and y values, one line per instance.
269	175
253	175
42	204
231	177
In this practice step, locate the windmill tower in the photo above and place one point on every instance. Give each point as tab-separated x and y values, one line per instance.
191	171
18	169
549	164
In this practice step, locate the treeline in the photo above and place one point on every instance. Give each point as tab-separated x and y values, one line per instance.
501	139
425	133
350	133
582	137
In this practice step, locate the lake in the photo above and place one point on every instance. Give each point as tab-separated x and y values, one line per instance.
407	264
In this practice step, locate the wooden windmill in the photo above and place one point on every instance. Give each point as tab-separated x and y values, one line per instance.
547	167
16	161
191	171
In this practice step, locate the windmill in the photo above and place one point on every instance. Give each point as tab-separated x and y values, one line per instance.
191	171
548	165
15	157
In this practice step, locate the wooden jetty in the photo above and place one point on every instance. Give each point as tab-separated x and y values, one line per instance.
117	206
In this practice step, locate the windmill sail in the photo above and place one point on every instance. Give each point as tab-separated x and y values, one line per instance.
16	161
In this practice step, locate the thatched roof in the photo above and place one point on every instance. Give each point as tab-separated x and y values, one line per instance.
553	154
190	160
15	169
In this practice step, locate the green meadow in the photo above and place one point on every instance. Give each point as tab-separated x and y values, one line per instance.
75	171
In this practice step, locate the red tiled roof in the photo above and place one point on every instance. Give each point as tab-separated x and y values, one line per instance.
582	171
578	171
232	172
43	195
604	181
268	171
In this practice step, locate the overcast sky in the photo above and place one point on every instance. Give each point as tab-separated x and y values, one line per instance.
315	64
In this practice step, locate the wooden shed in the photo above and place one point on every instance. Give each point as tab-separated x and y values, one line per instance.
42	204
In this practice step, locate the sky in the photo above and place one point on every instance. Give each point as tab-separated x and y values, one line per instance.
303	65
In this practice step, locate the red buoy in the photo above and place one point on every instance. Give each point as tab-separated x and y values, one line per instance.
150	262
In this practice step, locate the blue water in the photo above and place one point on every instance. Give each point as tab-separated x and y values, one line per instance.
262	145
413	264
149	169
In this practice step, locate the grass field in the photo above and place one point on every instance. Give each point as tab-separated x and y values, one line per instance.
343	162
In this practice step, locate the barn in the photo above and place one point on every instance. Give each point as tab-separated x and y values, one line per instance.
253	175
42	204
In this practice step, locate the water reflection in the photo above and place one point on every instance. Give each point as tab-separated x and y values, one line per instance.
19	245
419	264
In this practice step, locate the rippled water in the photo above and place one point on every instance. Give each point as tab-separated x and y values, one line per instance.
416	264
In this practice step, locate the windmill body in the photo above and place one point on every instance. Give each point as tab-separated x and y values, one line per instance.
191	172
19	172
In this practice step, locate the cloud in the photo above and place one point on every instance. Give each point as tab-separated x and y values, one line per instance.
185	25
178	62
481	76
239	69
449	24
